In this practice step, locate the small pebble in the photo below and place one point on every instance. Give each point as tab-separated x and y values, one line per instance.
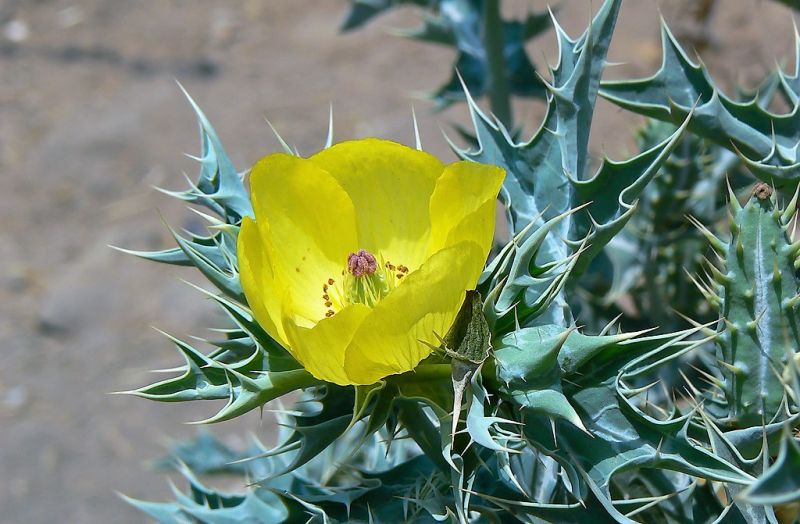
15	397
16	31
70	16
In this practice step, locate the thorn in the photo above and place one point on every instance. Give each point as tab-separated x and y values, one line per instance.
329	139
734	226
694	390
417	139
709	378
658	448
792	302
704	329
608	326
776	273
731	327
732	200
707	292
730	367
286	147
715	242
718	276
752	326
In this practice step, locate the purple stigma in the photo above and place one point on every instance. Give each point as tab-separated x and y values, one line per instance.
361	263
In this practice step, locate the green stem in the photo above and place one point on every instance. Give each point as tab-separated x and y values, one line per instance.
493	43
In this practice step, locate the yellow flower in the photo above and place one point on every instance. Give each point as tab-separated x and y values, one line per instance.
362	252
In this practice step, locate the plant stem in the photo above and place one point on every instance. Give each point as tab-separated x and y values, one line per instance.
493	43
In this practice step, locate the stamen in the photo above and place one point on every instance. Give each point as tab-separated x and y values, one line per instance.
367	279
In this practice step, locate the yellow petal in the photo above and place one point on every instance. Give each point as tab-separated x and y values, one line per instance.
463	205
258	280
321	349
424	305
390	186
304	212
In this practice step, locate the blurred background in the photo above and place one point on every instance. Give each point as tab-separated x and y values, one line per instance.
91	119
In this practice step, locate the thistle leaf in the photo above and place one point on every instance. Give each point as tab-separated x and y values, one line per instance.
767	142
780	483
548	175
362	11
219	186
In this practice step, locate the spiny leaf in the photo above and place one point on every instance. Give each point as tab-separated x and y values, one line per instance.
479	425
780	483
203	454
548	175
362	11
246	393
520	290
530	365
767	142
219	186
276	358
576	79
209	247
213	507
245	384
225	278
618	436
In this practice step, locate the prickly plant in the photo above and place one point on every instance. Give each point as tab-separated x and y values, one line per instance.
515	412
755	288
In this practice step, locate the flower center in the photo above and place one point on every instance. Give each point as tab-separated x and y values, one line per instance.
364	281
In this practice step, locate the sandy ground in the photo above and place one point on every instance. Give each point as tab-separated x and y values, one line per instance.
90	118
